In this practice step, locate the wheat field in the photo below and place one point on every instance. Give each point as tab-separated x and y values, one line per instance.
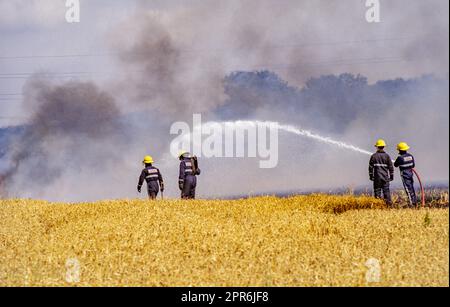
315	240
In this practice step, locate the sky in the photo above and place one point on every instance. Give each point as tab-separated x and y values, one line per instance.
167	59
284	36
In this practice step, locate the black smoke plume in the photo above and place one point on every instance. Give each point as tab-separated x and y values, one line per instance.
72	127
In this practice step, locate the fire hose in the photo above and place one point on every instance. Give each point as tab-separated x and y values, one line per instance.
422	190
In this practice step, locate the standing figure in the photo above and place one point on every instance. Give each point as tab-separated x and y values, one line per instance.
381	172
187	180
153	178
405	162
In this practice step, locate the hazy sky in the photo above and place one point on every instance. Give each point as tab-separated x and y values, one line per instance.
295	38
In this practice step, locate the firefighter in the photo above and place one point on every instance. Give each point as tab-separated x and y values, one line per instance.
187	180
405	162
381	172
152	176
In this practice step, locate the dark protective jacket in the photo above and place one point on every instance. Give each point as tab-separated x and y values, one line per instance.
187	179
405	162
188	167
151	175
381	169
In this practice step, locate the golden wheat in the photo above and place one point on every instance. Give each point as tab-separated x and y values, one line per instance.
314	240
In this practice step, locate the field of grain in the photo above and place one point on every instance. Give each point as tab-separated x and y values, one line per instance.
314	240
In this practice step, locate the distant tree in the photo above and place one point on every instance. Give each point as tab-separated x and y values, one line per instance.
329	103
248	91
339	98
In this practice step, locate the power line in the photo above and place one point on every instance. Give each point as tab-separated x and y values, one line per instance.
5	118
17	97
190	51
333	62
55	56
46	73
46	77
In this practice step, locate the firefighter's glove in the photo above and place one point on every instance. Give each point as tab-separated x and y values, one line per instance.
181	185
162	186
139	188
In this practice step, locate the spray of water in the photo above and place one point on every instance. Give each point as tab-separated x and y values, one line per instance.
285	128
327	140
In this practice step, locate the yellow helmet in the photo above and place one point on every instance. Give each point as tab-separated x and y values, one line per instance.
380	143
182	153
403	146
148	160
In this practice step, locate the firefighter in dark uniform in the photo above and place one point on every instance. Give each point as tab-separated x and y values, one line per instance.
152	176
187	180
381	172
405	162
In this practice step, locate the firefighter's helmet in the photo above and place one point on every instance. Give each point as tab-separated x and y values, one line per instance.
380	143
403	146
148	160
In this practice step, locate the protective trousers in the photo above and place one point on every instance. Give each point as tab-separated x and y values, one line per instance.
408	184
190	183
382	191
153	189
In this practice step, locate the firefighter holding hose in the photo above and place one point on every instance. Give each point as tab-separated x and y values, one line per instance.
406	163
381	172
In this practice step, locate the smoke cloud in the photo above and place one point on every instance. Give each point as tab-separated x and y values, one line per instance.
314	64
72	129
